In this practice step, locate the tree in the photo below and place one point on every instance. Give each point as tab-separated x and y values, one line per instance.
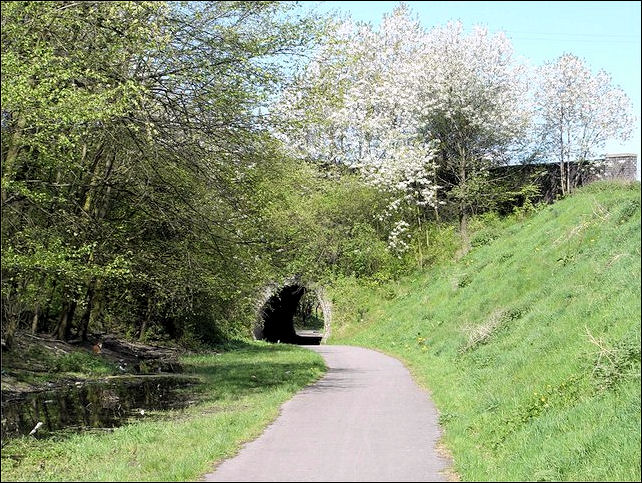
473	106
413	111
131	149
356	104
577	112
64	93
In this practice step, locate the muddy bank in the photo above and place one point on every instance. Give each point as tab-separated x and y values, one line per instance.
104	403
53	385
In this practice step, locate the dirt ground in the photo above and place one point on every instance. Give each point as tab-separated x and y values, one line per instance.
40	361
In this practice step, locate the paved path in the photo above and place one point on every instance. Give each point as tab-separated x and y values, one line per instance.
366	420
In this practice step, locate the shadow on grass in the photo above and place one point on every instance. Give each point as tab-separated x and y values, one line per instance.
253	347
243	368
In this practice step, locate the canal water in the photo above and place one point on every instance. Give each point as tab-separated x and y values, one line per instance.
106	403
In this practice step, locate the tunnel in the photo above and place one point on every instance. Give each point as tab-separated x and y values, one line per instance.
291	316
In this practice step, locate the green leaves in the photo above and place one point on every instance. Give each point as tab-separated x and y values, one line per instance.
134	163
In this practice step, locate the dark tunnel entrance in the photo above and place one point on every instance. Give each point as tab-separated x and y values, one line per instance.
291	316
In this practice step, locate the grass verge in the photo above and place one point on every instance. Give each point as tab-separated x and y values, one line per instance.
243	390
530	344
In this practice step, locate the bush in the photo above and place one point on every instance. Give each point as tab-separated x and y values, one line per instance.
80	361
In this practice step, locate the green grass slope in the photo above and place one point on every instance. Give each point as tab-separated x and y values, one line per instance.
530	344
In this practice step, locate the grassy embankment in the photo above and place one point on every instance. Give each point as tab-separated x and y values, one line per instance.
243	390
530	344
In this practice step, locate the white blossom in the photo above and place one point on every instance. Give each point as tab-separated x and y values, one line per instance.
383	102
359	105
578	112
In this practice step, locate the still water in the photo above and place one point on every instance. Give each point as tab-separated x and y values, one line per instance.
107	403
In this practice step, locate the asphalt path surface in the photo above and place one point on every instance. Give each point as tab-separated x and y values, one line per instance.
365	420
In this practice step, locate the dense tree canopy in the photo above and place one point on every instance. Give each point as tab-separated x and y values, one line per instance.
135	162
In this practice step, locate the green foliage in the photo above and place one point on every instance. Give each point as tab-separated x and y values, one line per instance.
135	167
431	243
618	362
324	227
308	315
82	362
144	193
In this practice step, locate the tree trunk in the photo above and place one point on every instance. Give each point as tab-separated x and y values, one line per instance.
436	205
463	212
10	331
34	321
148	317
63	330
561	148
562	178
93	209
84	321
463	231
97	305
9	164
581	166
46	309
44	318
11	309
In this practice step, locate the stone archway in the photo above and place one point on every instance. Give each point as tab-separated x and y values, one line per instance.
276	315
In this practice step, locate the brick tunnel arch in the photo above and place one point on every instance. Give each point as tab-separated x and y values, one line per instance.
277	311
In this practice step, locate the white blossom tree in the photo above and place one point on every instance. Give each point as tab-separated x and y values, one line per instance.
401	104
473	100
358	105
577	113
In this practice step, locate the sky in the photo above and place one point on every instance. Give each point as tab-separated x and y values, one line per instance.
605	34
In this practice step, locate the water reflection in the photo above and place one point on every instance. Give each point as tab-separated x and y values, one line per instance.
98	404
